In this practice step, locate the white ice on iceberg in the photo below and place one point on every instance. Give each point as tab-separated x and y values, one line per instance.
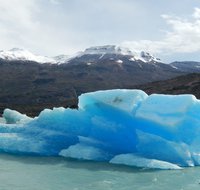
138	161
13	117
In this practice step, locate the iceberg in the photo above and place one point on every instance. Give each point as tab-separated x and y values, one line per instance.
117	126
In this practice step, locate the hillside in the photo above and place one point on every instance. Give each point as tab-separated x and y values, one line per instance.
187	84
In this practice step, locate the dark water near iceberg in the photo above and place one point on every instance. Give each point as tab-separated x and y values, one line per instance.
50	173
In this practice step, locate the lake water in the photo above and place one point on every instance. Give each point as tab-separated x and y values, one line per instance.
53	173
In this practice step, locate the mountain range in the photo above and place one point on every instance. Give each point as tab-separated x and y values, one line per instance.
29	83
98	52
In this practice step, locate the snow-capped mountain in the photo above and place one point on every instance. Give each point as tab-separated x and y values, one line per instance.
92	54
115	51
24	55
111	52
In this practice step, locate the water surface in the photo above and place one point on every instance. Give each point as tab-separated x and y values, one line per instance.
51	173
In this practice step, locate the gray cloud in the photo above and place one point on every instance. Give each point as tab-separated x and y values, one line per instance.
184	36
57	26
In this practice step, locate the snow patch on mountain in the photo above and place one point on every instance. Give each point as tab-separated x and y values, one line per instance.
61	58
147	57
108	49
119	61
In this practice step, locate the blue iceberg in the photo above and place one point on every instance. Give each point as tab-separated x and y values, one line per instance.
118	126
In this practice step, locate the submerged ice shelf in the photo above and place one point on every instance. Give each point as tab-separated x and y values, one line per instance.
118	126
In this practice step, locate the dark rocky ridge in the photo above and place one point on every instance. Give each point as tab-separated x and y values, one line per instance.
187	66
187	84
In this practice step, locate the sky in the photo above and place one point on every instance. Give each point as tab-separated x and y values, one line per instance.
169	29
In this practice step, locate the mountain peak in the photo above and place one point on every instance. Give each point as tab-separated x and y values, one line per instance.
120	50
108	49
16	49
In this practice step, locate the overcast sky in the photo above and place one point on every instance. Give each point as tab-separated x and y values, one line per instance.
170	29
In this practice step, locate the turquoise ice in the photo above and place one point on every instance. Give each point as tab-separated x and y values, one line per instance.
117	126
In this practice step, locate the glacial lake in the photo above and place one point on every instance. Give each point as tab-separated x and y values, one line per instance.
56	173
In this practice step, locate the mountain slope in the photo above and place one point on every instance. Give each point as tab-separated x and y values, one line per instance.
30	87
186	84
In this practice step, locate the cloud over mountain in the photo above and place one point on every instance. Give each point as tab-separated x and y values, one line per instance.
183	36
50	27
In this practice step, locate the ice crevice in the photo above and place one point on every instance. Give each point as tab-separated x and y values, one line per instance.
118	126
